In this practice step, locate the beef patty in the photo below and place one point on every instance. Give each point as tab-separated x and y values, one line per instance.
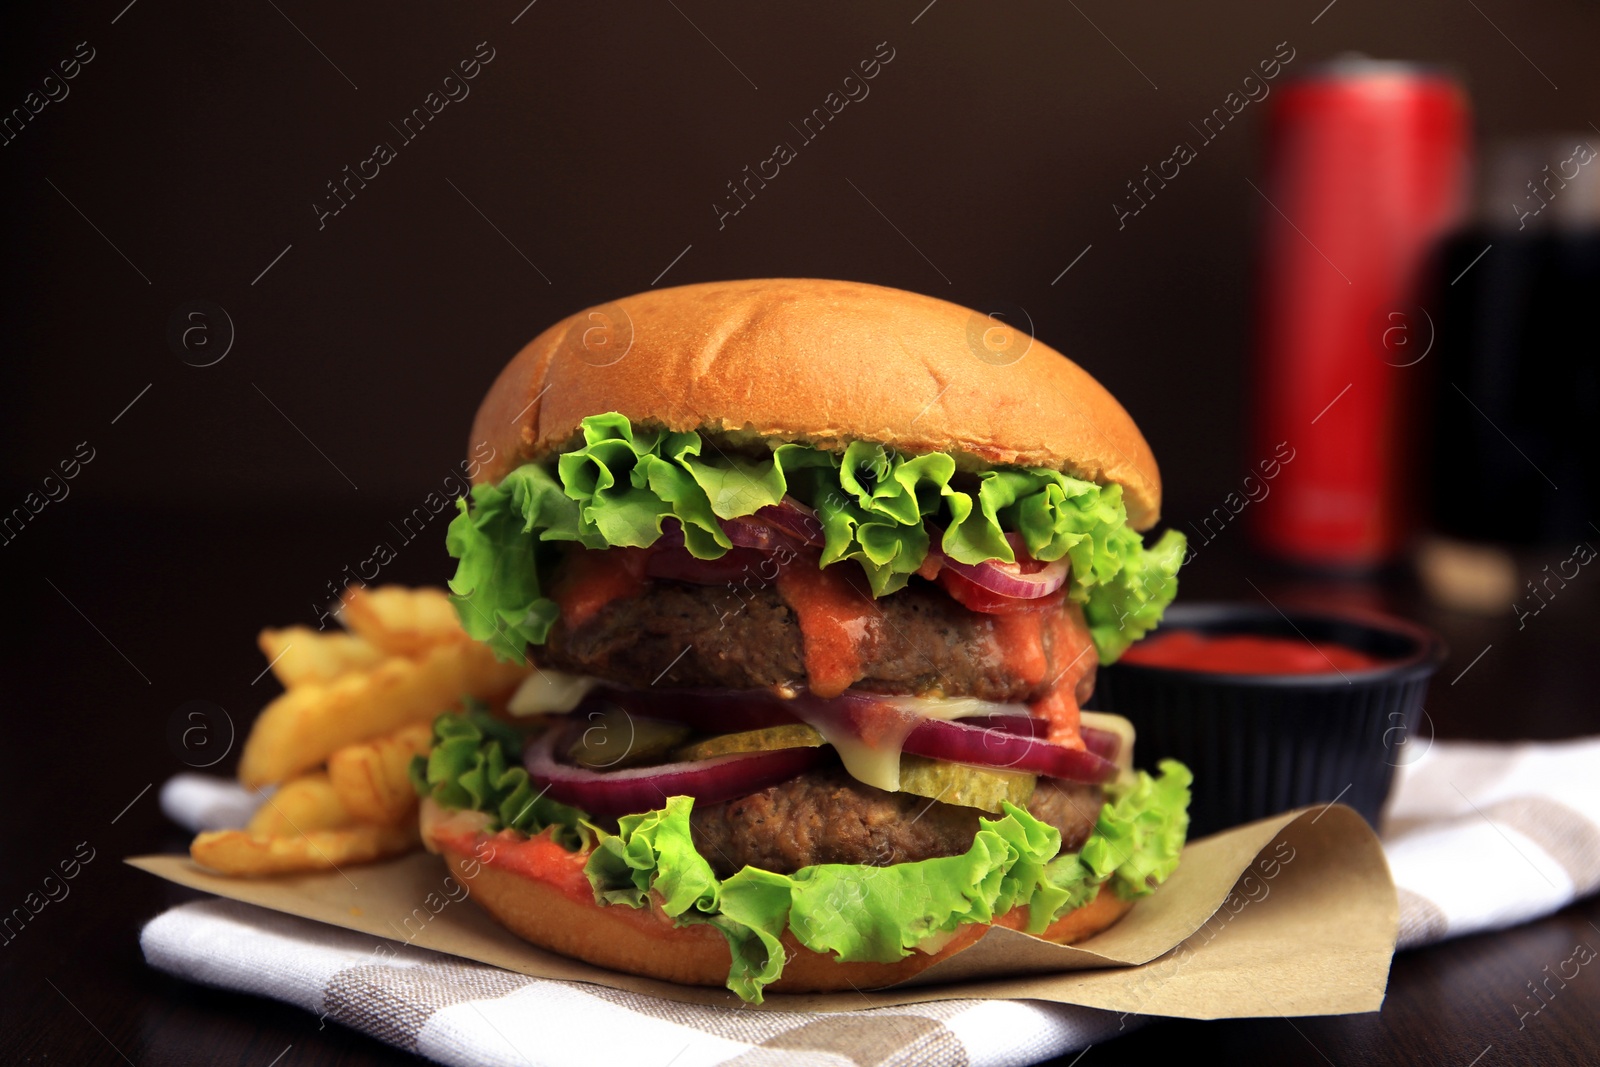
675	634
829	817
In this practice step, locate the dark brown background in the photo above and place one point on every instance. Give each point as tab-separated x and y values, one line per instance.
596	141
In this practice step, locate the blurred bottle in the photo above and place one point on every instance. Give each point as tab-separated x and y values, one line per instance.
1515	458
1518	389
1366	166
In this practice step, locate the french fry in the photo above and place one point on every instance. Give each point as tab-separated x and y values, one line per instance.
400	620
299	654
302	806
372	778
307	724
239	852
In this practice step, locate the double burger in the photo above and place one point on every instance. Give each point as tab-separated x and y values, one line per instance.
815	577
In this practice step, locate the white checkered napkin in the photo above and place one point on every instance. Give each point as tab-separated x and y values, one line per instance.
1482	836
456	1012
1478	837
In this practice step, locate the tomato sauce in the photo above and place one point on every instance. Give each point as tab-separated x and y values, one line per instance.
1020	642
840	626
1190	650
1073	648
837	621
1059	708
541	860
974	597
537	857
592	578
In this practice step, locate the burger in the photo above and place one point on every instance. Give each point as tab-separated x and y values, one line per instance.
815	576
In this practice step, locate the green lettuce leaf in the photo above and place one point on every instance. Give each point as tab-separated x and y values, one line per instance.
875	506
1140	833
501	543
857	911
1130	602
881	914
475	765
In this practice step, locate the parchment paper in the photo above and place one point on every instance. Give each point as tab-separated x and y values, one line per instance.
1293	915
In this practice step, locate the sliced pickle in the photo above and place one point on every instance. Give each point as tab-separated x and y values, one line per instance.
613	739
949	783
790	735
968	787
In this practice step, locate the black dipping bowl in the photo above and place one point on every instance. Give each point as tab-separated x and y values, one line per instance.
1260	744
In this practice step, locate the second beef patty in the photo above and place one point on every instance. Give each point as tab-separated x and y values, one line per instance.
829	817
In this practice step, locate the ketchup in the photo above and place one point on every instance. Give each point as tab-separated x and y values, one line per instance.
1191	650
592	579
837	622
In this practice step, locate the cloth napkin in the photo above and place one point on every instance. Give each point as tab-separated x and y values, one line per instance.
1528	813
1482	836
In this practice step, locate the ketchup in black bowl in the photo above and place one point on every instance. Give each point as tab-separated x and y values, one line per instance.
1246	654
1276	711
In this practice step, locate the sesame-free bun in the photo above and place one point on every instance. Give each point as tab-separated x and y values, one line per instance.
645	942
822	362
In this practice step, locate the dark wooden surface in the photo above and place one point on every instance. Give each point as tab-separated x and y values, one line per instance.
181	598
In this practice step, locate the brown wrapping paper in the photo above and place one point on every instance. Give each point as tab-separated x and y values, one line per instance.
1293	915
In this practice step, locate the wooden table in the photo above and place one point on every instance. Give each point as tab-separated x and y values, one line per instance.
123	618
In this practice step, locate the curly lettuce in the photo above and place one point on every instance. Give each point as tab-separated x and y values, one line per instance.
857	911
874	505
881	914
474	765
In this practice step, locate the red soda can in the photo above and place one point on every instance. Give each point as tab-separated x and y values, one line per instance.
1366	167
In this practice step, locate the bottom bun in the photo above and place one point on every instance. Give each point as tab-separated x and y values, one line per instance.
532	893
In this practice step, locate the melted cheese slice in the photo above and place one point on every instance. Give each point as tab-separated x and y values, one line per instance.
874	764
547	692
877	762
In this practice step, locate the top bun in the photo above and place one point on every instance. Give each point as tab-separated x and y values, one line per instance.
824	363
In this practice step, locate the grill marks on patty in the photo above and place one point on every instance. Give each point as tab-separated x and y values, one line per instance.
829	817
681	635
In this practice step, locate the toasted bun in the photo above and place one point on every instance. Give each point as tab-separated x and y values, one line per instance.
821	362
644	942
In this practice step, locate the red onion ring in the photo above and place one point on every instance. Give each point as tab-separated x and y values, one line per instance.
960	743
866	715
1021	725
1103	743
1107	744
751	532
1025	580
733	566
794	519
976	739
754	545
710	711
643	789
790	524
